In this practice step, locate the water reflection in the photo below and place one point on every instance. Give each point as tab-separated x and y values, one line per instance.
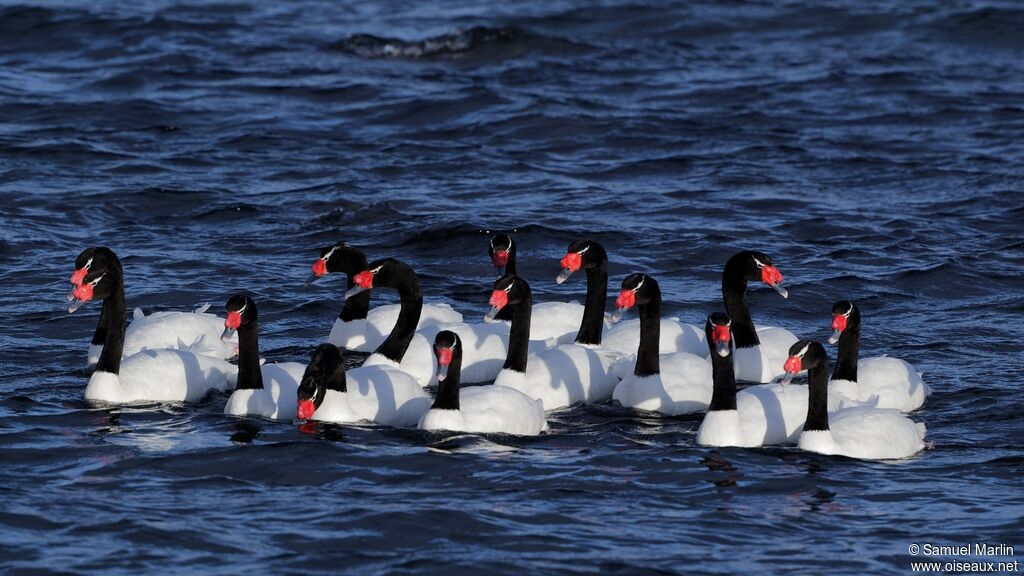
715	462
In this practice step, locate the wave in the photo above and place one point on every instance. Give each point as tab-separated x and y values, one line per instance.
451	43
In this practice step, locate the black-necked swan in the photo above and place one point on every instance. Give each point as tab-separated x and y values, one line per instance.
268	390
894	382
381	394
623	338
760	353
557	322
858	432
760	414
358	327
177	375
195	330
560	376
404	349
487	409
673	383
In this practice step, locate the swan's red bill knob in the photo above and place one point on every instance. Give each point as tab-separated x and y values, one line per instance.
364	279
500	258
626	299
305	410
572	261
839	322
499	299
720	334
79	276
234	320
444	356
320	267
83	292
793	365
771	276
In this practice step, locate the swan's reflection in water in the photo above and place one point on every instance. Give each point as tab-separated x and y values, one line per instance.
245	431
715	462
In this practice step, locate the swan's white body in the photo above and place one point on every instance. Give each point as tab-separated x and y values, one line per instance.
418	360
764	363
484	348
894	382
867	433
765	414
623	338
378	394
366	334
196	330
162	376
278	397
557	322
563	376
684	385
490	410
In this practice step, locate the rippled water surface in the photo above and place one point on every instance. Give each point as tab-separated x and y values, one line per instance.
872	148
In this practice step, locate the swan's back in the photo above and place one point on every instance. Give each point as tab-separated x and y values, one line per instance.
161	376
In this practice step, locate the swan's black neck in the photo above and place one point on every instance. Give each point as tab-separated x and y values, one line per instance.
338	380
250	376
592	326
448	389
849	349
647	354
351	261
113	315
817	402
411	298
100	336
510	266
519	334
723	394
734	294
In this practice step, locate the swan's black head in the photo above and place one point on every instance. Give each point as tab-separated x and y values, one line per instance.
509	290
804	355
637	290
581	255
718	330
241	311
338	257
384	273
448	351
845	316
753	266
500	249
326	370
96	277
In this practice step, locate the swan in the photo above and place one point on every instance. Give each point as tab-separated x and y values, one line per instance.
381	394
268	390
760	353
480	409
861	432
759	415
160	375
555	321
404	349
623	338
559	376
673	384
158	330
894	382
358	327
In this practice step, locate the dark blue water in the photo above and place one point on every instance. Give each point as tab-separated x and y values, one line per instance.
872	148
